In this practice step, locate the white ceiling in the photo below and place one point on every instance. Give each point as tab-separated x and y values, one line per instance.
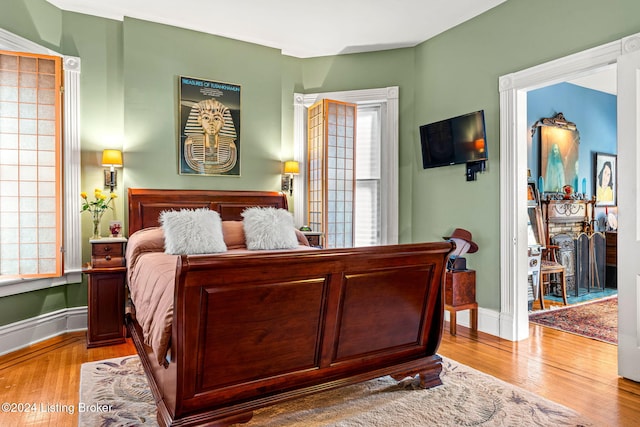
305	30
300	28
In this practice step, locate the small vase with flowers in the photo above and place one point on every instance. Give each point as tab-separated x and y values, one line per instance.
96	208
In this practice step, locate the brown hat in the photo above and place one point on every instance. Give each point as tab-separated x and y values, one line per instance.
462	234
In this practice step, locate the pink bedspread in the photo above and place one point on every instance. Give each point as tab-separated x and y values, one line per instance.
151	275
151	286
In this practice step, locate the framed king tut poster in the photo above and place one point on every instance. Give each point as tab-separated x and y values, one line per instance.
209	128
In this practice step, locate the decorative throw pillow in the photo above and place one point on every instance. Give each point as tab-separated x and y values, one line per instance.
192	232
269	228
233	232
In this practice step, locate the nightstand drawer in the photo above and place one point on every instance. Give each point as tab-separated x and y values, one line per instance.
107	261
107	254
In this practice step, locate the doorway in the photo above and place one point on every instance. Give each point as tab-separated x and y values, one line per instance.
513	171
513	165
579	117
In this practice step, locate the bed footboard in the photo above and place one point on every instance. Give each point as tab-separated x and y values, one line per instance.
253	330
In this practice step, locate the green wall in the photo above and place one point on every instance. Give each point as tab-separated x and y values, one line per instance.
154	56
457	72
364	71
129	95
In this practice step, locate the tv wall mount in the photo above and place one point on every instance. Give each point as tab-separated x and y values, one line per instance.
474	167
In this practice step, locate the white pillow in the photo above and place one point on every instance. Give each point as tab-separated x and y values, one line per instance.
269	228
192	232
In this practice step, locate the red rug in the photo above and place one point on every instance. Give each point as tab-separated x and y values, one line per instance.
597	320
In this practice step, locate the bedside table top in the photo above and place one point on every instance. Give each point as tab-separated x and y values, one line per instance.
88	269
109	240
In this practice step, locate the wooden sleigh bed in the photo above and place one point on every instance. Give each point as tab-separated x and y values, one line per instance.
253	329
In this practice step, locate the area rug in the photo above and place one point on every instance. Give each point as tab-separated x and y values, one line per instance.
466	398
583	297
597	320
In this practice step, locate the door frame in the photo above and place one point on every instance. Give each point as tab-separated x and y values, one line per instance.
628	73
514	321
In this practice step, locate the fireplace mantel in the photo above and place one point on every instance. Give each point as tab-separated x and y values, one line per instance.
567	210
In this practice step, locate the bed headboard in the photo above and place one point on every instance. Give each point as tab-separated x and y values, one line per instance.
145	204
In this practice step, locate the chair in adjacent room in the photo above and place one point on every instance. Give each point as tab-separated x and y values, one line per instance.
534	254
551	271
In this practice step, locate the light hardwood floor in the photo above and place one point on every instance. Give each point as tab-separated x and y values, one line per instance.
577	372
48	373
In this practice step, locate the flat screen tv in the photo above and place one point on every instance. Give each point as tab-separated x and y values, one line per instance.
453	141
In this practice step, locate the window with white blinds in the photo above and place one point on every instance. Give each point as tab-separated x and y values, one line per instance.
30	165
368	176
376	200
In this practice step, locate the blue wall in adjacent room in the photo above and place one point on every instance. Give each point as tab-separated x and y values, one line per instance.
593	112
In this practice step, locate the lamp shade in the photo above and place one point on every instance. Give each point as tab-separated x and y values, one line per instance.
291	166
112	158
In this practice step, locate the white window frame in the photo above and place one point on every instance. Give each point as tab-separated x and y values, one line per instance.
72	247
388	98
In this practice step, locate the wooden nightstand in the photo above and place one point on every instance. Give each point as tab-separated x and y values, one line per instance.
106	292
314	238
460	294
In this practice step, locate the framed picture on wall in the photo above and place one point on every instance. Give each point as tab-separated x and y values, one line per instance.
558	158
605	172
209	127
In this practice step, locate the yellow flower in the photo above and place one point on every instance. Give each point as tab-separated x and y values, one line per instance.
101	203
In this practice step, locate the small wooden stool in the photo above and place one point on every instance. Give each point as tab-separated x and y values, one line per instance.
460	294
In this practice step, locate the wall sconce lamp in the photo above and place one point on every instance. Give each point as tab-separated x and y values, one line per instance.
113	159
291	167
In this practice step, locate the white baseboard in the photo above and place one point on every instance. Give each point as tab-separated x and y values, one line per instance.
24	333
488	320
